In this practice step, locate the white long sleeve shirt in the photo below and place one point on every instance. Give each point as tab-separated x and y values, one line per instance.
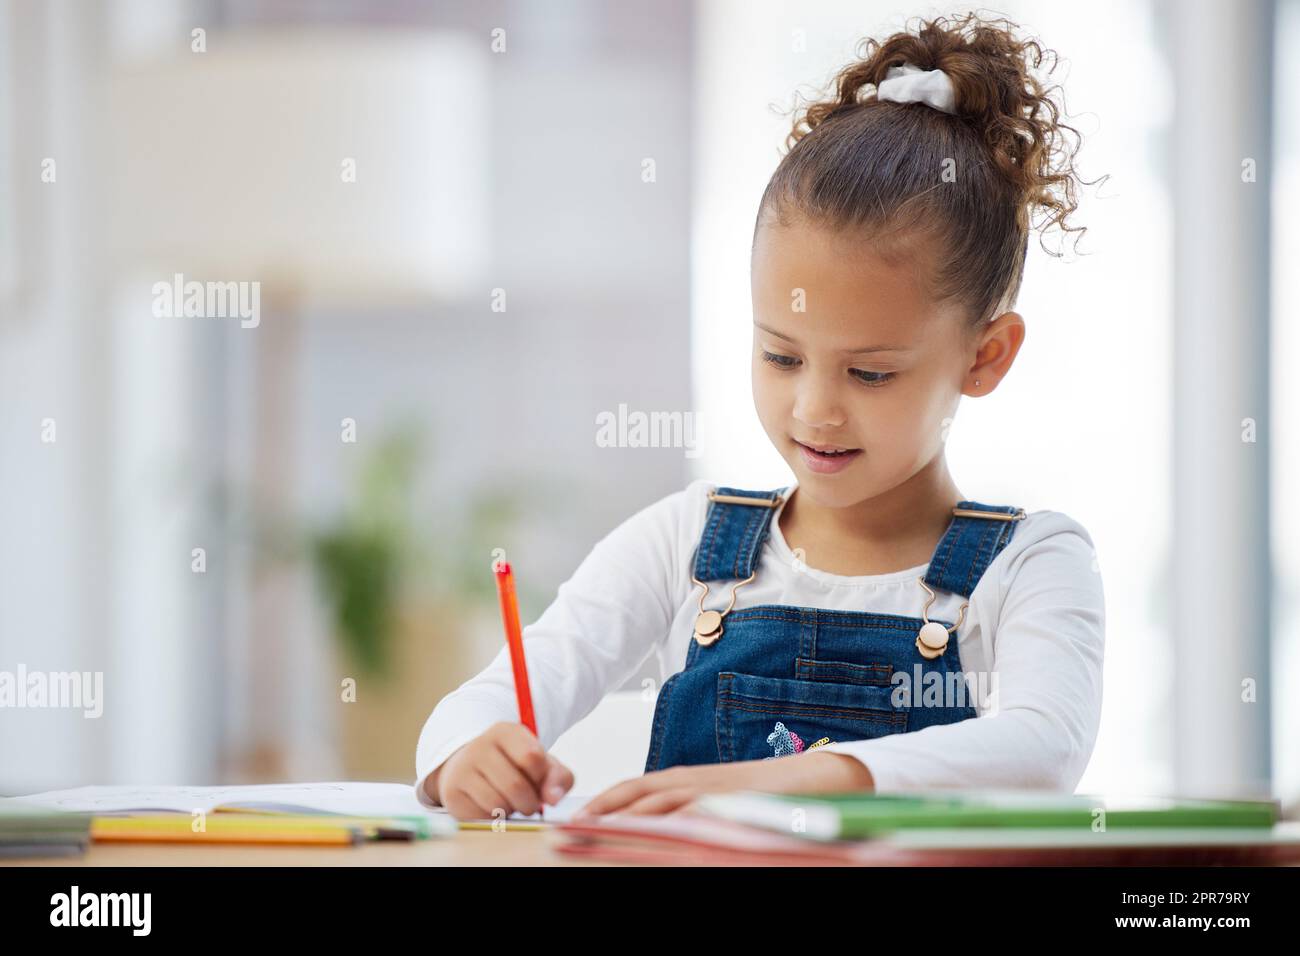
1036	620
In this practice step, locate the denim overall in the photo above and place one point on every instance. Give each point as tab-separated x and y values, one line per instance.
782	679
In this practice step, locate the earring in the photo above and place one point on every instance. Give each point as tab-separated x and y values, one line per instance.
977	381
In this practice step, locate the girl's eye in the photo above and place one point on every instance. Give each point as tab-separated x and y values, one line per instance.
780	361
873	378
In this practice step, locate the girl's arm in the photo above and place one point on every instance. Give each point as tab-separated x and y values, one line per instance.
605	620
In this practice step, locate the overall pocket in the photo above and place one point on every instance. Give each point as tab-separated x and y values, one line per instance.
749	708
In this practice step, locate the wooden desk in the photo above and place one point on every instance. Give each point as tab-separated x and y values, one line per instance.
466	848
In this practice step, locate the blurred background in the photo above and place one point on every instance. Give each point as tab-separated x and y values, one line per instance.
453	237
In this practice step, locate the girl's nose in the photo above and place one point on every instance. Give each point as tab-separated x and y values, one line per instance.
817	404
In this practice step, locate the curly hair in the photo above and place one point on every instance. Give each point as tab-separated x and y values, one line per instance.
964	185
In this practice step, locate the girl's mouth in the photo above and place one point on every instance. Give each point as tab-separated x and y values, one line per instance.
827	462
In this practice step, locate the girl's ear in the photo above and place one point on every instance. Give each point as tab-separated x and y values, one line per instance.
995	353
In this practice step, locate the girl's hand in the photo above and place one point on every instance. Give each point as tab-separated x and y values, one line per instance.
504	768
666	791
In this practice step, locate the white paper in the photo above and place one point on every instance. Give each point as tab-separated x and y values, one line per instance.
562	812
345	798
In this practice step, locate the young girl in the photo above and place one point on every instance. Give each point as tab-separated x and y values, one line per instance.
867	626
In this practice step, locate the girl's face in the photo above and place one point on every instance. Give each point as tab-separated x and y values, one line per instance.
850	353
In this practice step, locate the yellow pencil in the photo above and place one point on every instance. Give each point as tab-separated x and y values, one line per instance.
418	827
510	825
179	829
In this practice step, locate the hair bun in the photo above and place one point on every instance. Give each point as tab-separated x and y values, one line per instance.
996	92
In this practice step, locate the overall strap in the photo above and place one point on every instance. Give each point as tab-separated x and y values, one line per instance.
974	537
734	532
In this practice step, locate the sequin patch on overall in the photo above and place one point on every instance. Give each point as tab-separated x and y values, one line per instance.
785	742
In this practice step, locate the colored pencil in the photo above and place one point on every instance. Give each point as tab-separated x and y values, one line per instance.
178	828
514	639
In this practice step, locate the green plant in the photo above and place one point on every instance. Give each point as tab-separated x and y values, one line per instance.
368	554
361	557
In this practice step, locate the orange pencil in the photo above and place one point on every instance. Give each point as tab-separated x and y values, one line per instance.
515	640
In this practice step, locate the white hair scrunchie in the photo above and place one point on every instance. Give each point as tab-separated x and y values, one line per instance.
911	84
